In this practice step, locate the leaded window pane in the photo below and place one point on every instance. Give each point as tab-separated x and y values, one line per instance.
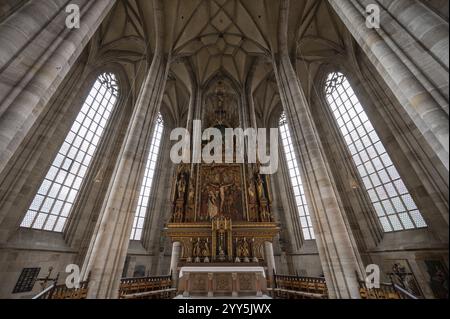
63	181
296	182
146	187
373	163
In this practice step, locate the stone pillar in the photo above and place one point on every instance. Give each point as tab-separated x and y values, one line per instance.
234	285
175	259
116	218
258	284
337	248
186	292
428	28
191	110
413	70
251	104
270	260
36	54
108	249
210	285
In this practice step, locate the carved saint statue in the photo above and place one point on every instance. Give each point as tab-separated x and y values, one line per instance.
191	193
265	214
222	194
260	188
205	251
251	194
244	249
213	209
217	198
178	216
181	186
197	251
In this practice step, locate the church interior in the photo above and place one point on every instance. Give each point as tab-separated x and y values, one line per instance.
93	205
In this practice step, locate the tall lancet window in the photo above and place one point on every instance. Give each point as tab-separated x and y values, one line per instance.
146	187
296	181
56	196
393	204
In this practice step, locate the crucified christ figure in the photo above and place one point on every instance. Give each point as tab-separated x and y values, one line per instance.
222	188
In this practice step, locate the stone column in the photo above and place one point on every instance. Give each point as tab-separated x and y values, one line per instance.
413	70
210	285
258	284
270	259
186	292
251	104
428	28
108	249
191	110
234	285
37	51
175	259
337	248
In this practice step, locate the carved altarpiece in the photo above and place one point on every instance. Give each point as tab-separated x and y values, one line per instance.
221	213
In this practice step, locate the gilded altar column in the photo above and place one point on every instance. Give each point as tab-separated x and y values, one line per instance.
37	51
410	52
175	259
108	248
338	251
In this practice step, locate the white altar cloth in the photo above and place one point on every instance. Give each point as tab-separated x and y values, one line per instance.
233	269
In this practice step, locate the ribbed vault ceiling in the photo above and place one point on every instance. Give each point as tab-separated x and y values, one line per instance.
229	38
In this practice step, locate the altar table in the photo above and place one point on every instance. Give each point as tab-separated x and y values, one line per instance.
222	281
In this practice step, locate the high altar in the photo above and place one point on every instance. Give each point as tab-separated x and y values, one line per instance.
221	219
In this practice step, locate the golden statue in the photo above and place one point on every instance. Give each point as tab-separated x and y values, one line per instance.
178	216
181	186
217	193
213	209
251	194
191	194
260	188
206	252
243	249
197	251
266	216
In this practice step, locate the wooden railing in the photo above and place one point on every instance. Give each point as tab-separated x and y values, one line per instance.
147	288
130	288
62	292
385	291
296	287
